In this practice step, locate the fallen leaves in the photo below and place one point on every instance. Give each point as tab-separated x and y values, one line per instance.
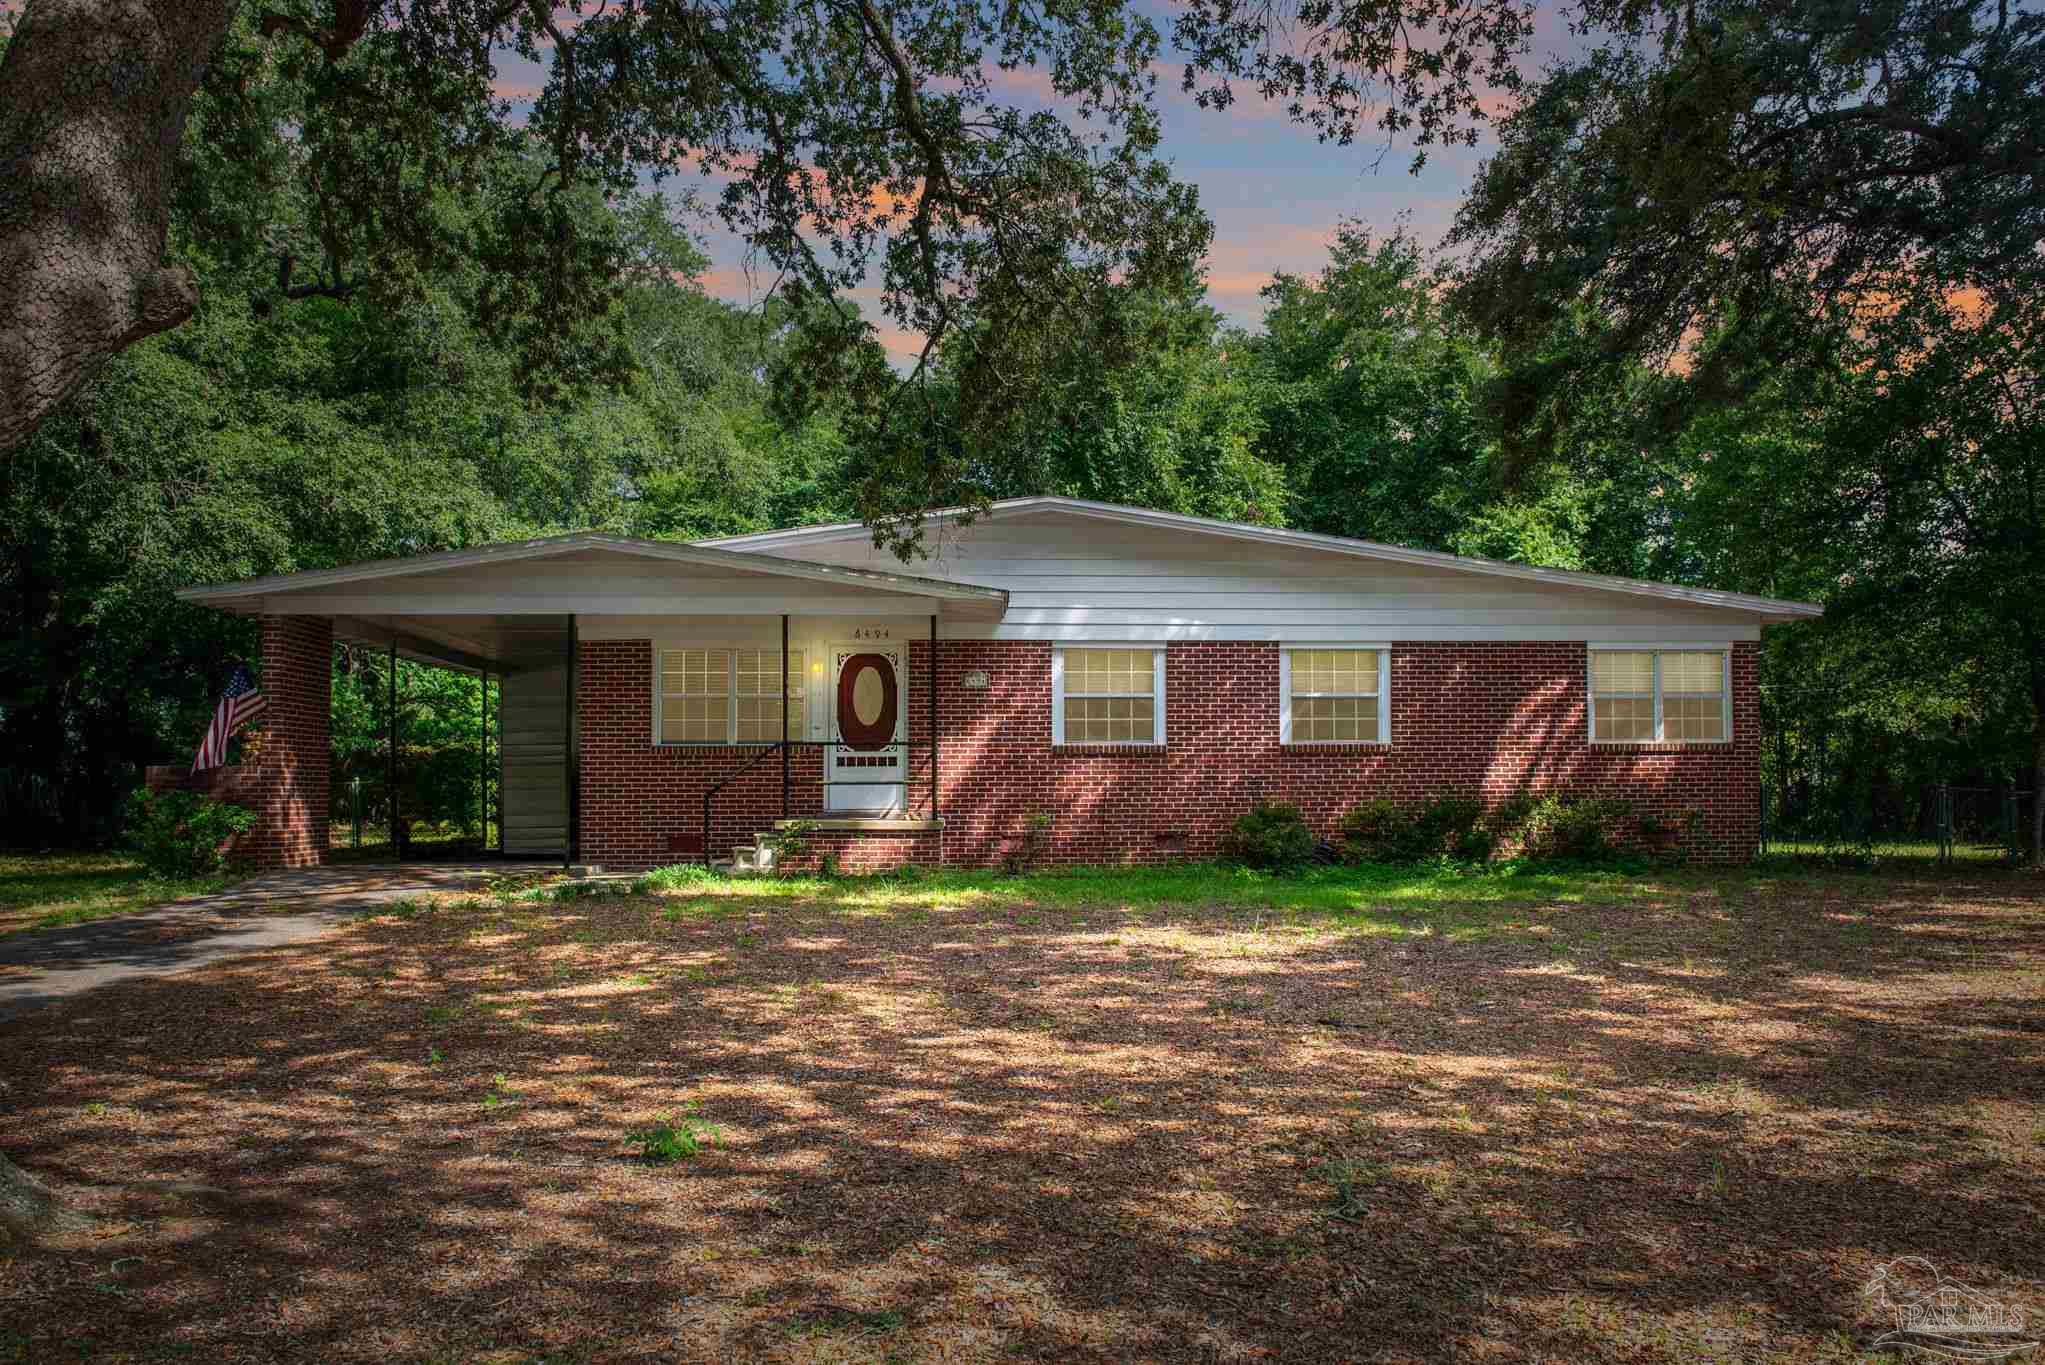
1641	1131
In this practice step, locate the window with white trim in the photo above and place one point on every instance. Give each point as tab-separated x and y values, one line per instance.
727	696
1334	695
1107	696
1644	696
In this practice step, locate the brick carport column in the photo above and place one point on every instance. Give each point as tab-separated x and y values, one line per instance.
296	757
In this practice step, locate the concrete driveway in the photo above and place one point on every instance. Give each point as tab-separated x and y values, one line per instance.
40	966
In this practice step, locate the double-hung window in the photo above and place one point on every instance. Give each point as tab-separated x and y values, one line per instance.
1108	696
1645	696
1334	694
727	696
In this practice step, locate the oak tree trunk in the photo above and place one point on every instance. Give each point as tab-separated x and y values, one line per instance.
28	1210
93	96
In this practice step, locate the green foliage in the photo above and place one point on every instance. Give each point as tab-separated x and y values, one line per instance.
790	842
1673	174
498	345
1563	827
1459	830
674	1137
1024	854
1447	827
1370	396
1830	217
269	436
183	834
1352	1182
50	890
499	1094
1271	836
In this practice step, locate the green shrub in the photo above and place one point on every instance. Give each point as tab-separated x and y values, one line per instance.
183	834
1271	835
674	1138
1458	829
1447	826
1023	855
1576	828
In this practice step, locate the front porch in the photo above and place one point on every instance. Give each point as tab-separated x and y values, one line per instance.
654	702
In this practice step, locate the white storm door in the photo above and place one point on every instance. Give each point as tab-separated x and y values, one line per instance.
866	767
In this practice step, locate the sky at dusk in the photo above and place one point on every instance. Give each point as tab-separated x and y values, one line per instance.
1274	193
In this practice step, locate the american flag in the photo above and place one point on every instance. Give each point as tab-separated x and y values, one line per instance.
237	704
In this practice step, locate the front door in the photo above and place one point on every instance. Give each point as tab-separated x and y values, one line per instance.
865	771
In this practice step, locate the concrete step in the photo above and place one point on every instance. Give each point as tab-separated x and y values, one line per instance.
756	857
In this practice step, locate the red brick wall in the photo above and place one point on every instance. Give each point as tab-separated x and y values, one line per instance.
642	804
1485	718
289	773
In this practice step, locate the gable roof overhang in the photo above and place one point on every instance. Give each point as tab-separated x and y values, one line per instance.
1765	609
509	602
287	592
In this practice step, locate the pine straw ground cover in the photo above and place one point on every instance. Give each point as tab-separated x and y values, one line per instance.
1629	1119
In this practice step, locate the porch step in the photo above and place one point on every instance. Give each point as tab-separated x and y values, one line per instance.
753	858
760	855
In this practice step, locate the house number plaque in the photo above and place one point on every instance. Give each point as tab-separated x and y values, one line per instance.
975	681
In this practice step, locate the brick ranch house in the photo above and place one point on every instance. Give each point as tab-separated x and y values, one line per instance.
1140	677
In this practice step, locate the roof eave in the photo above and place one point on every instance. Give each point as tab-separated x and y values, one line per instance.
249	594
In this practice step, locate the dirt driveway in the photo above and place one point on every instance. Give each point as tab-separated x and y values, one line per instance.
1688	1125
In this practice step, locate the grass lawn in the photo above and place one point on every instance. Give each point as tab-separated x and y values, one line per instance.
1187	1115
46	890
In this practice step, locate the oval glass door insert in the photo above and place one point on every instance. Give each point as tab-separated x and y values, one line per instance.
868	699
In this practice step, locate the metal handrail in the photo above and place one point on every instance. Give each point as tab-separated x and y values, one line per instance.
784	745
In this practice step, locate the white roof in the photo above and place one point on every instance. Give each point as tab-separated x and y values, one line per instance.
247	595
1767	608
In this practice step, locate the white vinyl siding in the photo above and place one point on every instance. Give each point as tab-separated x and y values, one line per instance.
1093	582
1334	694
1108	696
725	696
1648	694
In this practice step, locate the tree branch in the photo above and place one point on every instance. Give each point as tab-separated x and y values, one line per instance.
351	21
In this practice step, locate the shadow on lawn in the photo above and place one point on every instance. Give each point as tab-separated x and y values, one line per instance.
1591	1134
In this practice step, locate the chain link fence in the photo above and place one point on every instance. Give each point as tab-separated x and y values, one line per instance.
1847	780
1934	823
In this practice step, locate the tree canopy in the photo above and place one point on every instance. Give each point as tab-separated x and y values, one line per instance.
357	145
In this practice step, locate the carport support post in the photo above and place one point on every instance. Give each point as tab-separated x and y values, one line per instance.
933	717
784	715
483	761
391	773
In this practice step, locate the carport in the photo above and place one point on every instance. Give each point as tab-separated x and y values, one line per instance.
521	614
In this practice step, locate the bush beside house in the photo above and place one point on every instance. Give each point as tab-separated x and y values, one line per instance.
183	834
